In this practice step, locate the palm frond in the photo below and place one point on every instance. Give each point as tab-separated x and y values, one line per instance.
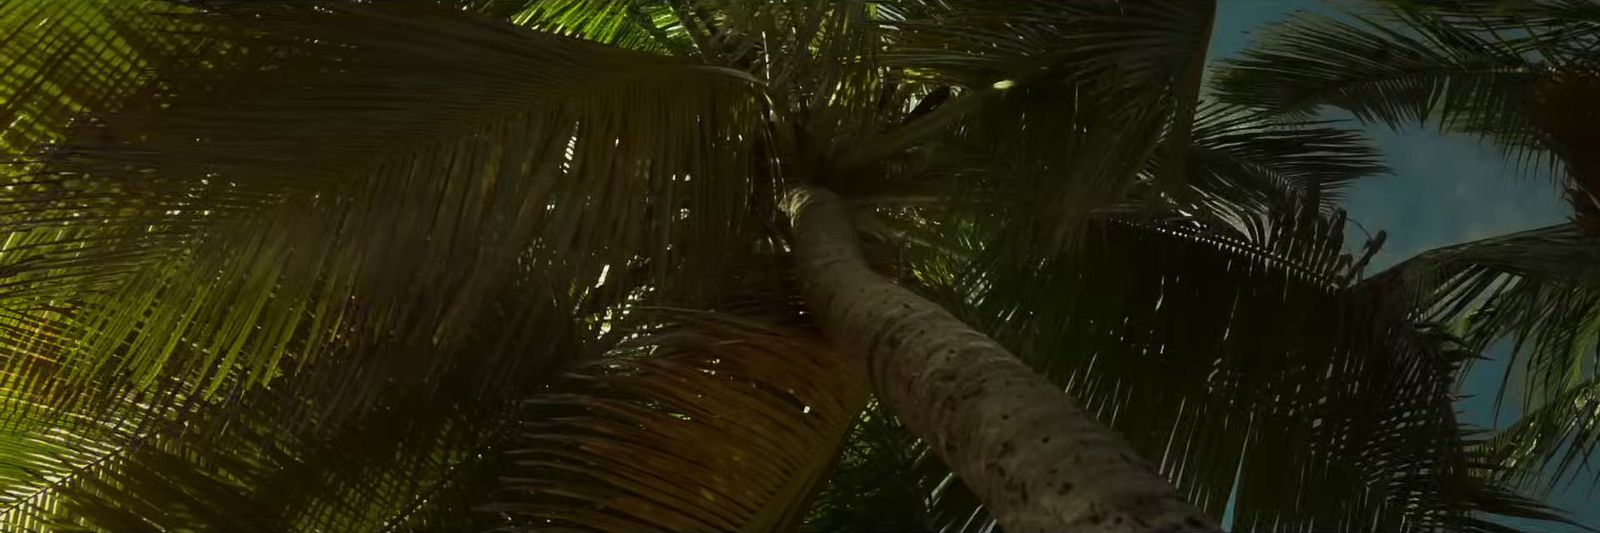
243	468
305	453
46	452
713	424
1379	73
650	26
64	59
1560	29
1305	163
1520	74
1552	442
1539	288
406	161
1274	187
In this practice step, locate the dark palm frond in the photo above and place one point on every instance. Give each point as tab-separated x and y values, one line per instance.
708	423
1562	29
829	89
979	44
1253	384
1397	68
1062	110
1254	185
1068	110
272	238
1541	289
1274	187
1521	74
1306	164
1380	73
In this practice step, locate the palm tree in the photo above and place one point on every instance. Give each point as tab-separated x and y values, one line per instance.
346	266
1520	74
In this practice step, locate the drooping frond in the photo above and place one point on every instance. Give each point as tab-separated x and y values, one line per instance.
1383	73
305	453
354	173
1551	442
251	467
67	58
1519	73
652	26
1540	288
1237	154
711	424
1555	28
320	230
425	457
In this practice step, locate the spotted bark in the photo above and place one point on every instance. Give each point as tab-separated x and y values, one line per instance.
1038	462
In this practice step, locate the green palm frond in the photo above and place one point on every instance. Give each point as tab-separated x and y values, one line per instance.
645	25
72	57
307	452
63	61
1550	442
250	467
312	266
354	111
46	452
1553	27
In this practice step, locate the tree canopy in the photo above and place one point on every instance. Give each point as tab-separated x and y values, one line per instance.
508	265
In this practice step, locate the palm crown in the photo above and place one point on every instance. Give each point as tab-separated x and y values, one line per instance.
441	266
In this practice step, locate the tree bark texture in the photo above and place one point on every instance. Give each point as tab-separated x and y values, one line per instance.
1019	442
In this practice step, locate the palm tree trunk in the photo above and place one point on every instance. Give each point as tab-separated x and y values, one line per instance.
1037	461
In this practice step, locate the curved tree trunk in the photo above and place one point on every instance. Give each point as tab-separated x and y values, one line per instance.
1037	461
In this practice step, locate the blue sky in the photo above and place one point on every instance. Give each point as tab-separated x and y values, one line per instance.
1443	190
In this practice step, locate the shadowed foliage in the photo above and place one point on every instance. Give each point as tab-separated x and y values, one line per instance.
510	265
